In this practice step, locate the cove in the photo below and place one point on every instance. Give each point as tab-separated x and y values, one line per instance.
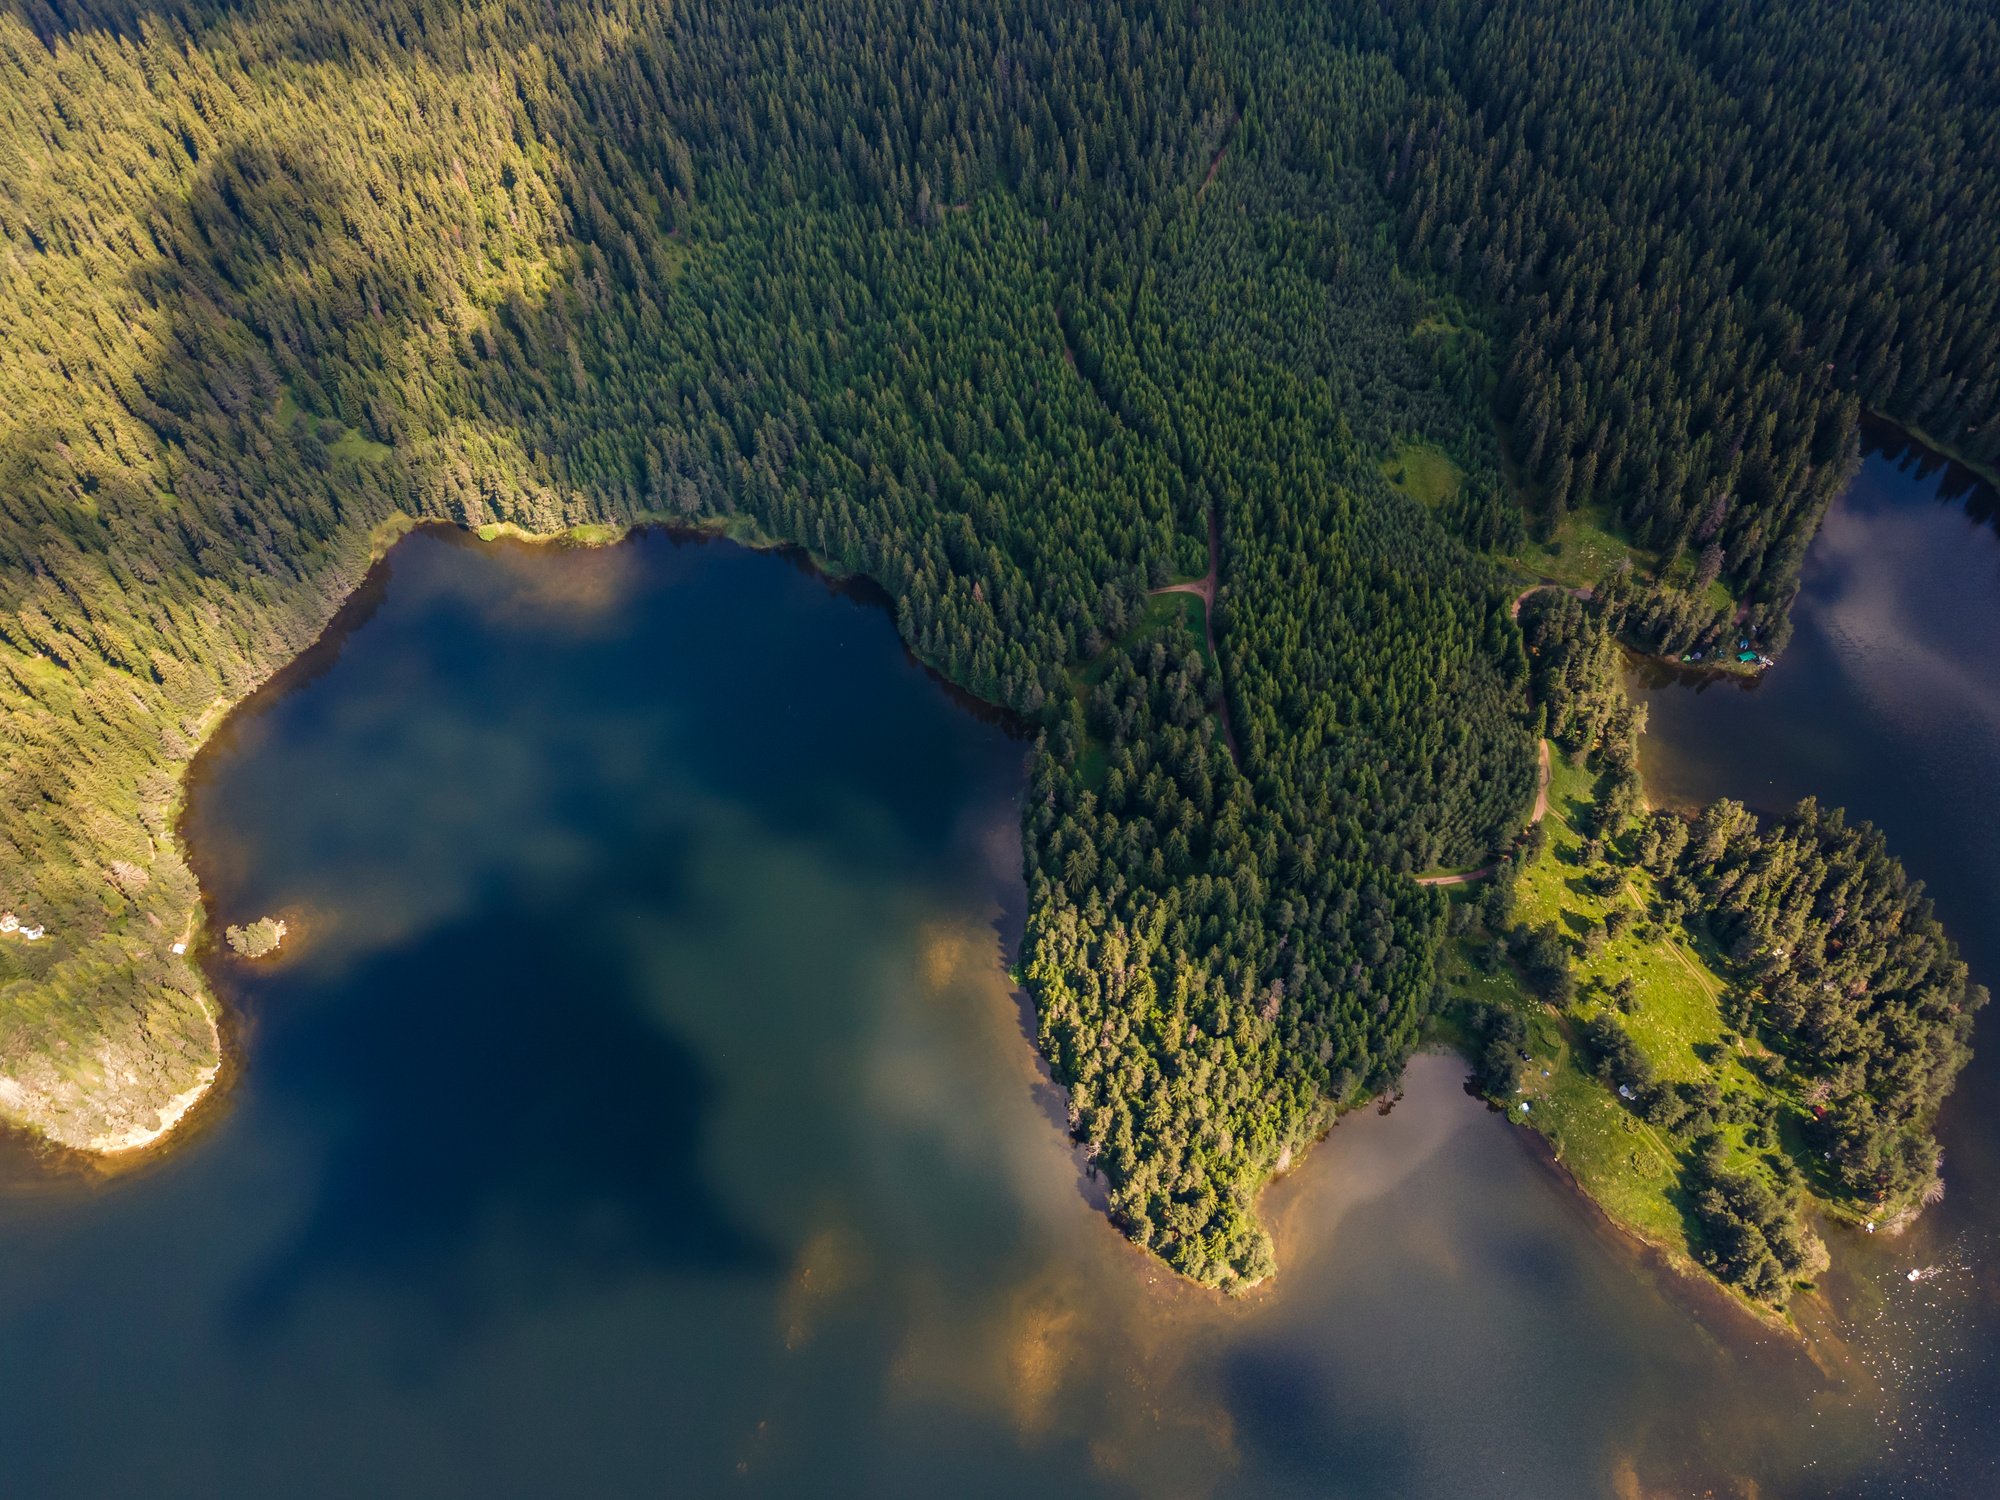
641	1105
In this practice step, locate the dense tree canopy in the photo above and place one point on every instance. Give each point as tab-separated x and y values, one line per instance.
1846	968
1715	232
1011	307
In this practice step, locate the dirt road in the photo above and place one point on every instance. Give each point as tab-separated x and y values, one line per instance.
1204	590
1541	811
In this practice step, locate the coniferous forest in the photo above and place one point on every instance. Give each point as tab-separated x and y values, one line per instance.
1019	309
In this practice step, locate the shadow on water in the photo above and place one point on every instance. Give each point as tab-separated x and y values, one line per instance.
863	590
495	1165
1956	483
1281	1395
1920	476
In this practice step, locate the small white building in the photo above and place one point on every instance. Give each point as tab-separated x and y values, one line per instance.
180	948
9	922
31	934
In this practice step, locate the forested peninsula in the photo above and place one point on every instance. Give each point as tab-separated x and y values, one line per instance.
1374	311
1720	1023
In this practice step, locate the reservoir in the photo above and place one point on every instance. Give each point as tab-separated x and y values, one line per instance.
640	1105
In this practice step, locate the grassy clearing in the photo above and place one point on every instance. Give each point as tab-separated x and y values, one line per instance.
1444	319
1424	472
1622	1163
1679	1019
350	445
1614	1156
590	535
1678	1022
1194	619
1718	598
345	443
1628	1166
1585	547
743	530
1589	544
1162	612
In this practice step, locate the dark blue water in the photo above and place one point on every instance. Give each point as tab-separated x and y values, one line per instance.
640	1107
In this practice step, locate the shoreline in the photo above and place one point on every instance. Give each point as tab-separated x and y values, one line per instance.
1689	1273
1914	437
142	1138
126	1146
1826	1212
123	1145
1673	1257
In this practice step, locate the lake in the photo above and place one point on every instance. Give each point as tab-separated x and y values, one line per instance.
640	1105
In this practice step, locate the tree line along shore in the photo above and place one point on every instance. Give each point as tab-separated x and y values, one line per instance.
975	303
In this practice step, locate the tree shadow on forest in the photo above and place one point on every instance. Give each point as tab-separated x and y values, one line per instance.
253	334
55	21
305	34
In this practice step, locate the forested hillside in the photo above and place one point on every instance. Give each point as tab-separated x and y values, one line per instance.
1009	307
1715	233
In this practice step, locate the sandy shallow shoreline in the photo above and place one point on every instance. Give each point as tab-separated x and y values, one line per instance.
170	1114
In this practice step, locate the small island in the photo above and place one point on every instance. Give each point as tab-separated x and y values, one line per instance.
259	939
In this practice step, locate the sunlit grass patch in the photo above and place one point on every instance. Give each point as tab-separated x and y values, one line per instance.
345	443
1424	472
1628	1169
1585	547
1672	1008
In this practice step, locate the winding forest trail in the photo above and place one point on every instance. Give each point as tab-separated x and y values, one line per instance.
1541	811
1215	161
1203	588
1582	591
1214	166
